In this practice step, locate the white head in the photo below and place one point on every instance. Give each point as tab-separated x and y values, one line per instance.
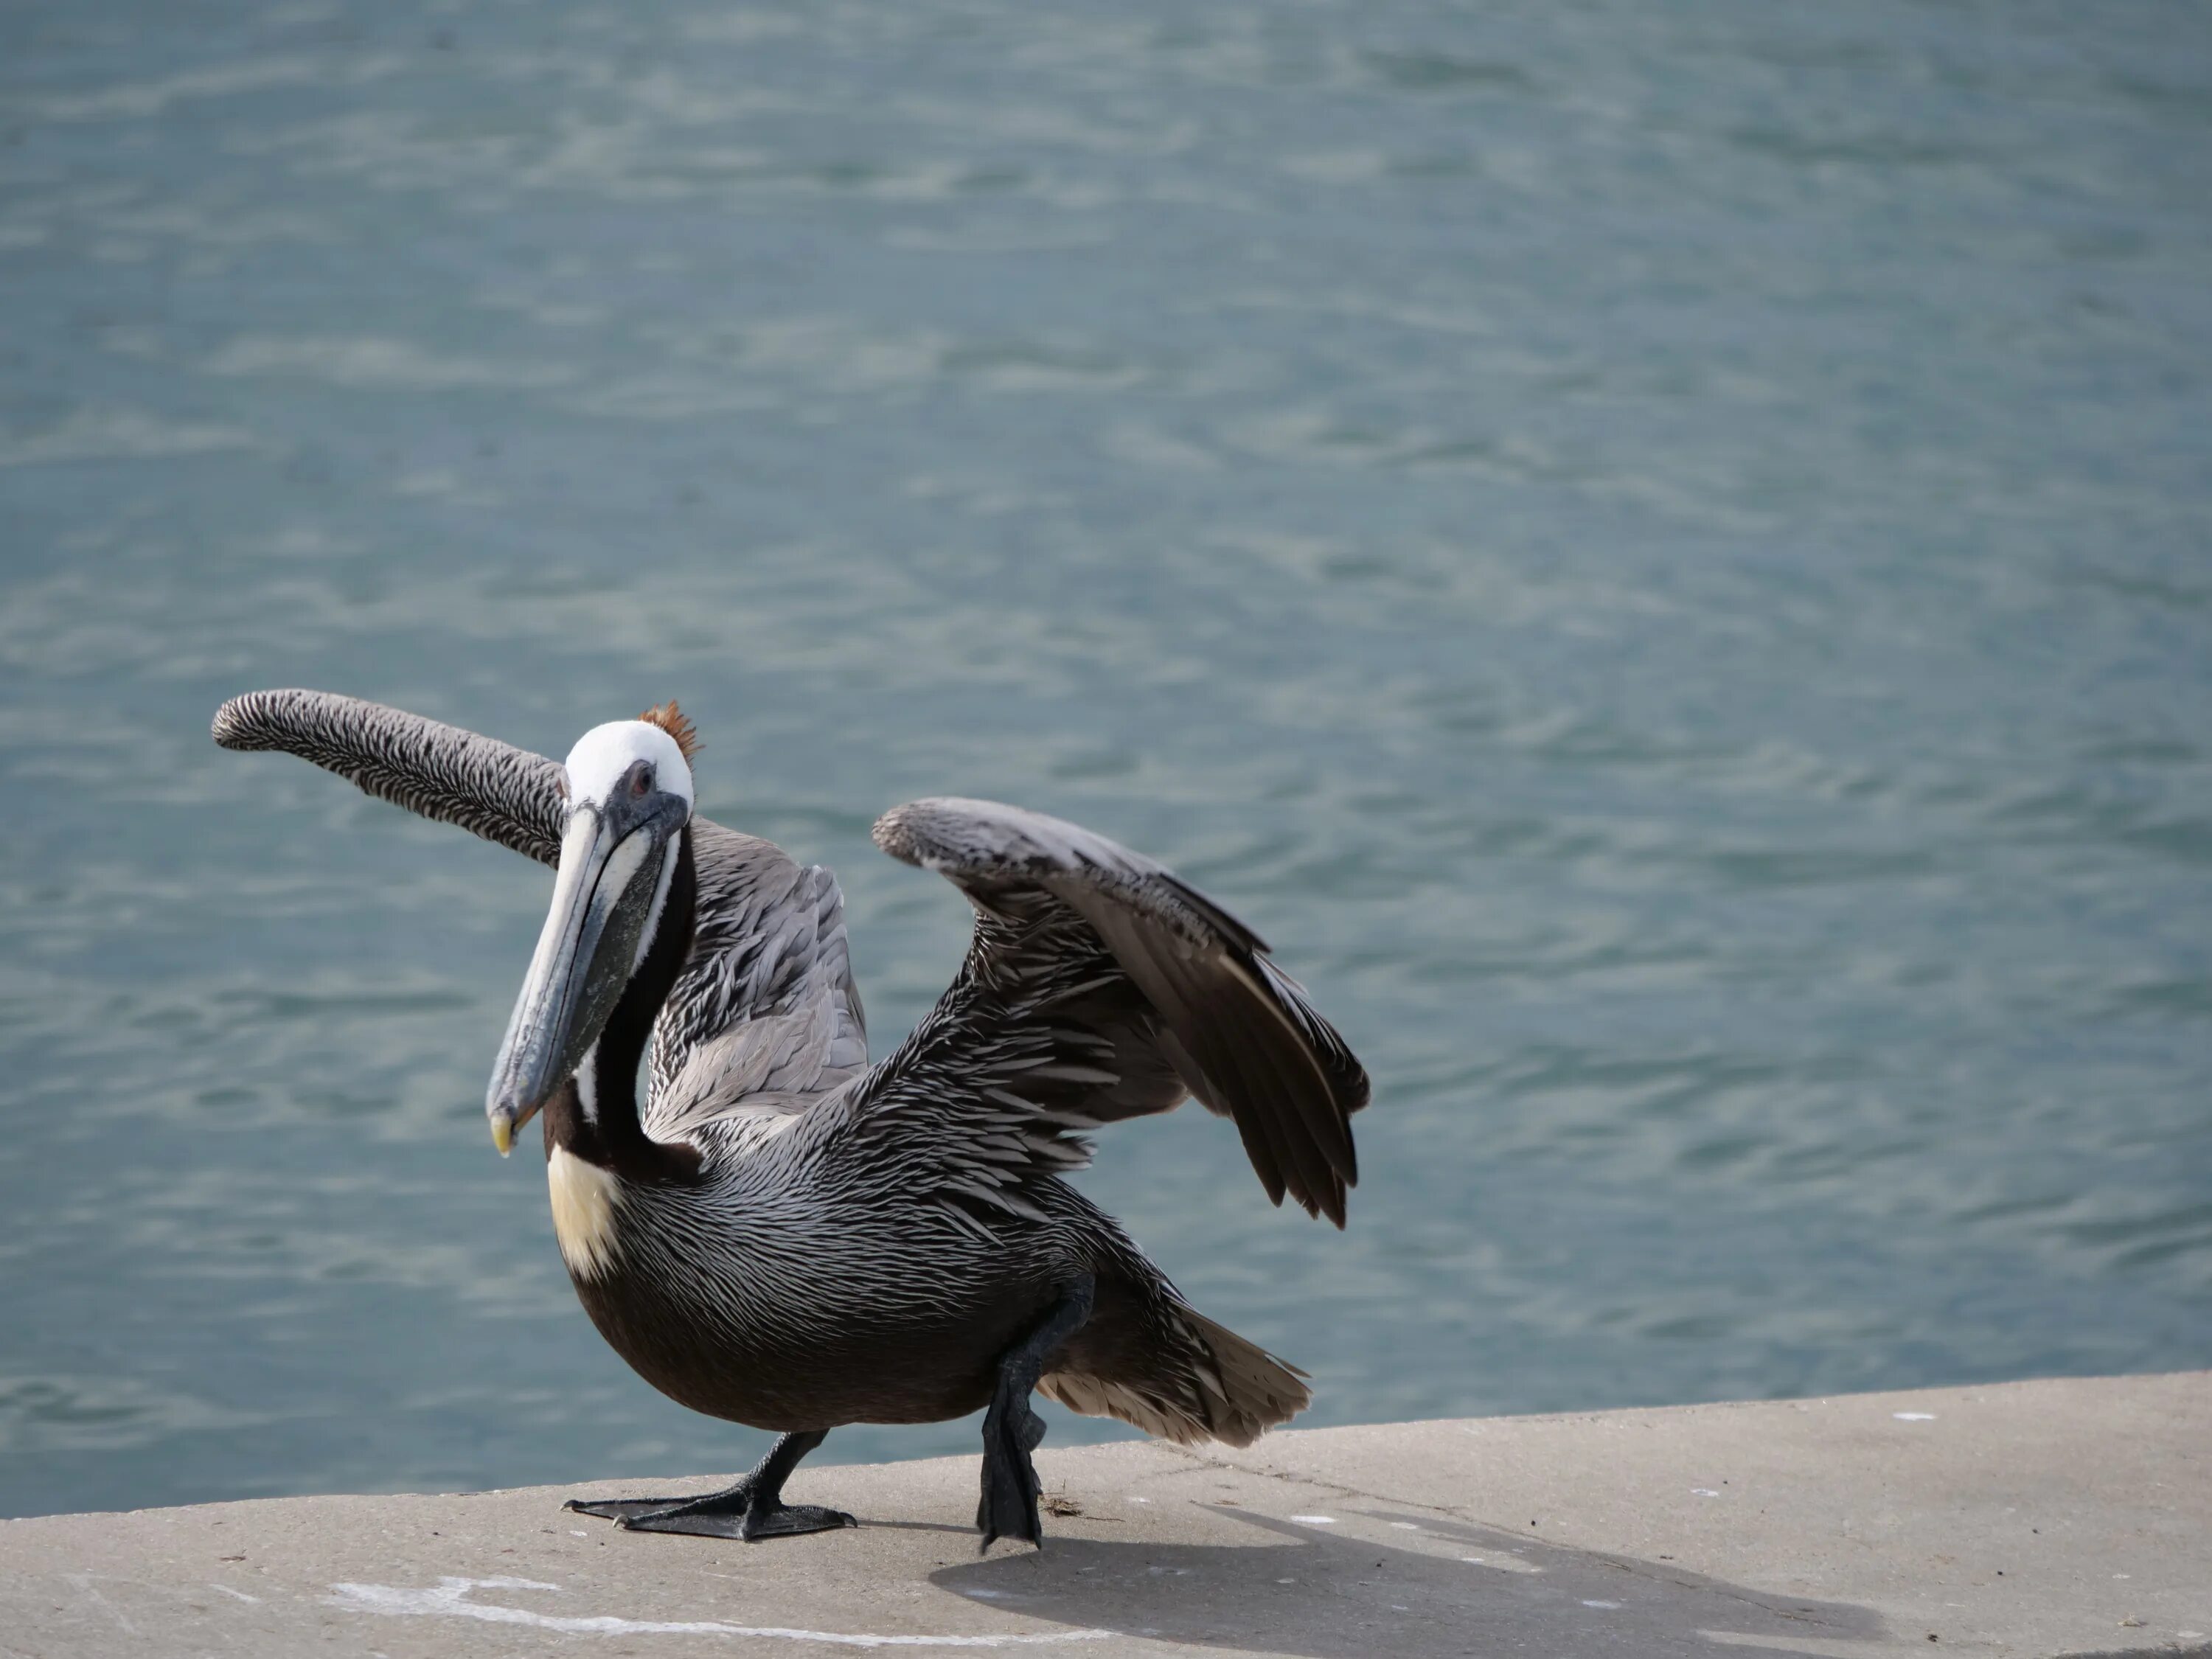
604	759
628	785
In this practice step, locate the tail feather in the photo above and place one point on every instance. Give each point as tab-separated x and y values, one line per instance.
1216	1387
1258	1391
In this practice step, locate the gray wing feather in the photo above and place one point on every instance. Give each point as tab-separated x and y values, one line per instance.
765	1015
503	794
765	1003
1099	986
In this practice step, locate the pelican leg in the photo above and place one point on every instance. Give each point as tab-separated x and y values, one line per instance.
754	1508
1011	1431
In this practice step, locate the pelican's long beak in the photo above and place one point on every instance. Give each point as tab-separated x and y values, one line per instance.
603	899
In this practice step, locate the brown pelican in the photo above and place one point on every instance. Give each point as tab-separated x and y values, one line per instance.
781	1235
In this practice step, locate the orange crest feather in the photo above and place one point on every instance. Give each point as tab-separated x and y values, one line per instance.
672	719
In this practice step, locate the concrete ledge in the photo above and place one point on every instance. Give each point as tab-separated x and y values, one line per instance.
2033	1518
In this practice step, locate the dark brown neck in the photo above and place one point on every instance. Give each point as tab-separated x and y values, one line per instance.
610	1134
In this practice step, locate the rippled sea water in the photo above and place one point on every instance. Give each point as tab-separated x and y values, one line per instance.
1661	555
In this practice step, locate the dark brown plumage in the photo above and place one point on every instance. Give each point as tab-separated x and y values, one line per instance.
780	1235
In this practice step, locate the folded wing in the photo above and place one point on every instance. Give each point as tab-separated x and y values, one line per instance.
1098	986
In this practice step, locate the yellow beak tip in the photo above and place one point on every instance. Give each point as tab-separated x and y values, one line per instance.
502	1135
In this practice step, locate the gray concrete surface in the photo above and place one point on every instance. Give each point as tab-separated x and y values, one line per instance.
2033	1518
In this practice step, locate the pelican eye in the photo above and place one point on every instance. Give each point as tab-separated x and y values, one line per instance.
641	781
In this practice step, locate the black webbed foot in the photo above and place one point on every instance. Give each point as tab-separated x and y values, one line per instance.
1009	1504
1008	1507
752	1509
761	1520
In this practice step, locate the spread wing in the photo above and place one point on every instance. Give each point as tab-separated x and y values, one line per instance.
765	1006
503	794
1098	986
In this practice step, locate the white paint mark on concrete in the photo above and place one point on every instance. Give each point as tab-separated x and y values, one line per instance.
1607	1605
1914	1417
450	1599
1315	1520
1406	1526
1703	1492
240	1594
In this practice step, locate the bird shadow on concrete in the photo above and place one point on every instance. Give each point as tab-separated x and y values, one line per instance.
1449	1589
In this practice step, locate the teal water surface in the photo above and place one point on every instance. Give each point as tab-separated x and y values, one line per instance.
1661	555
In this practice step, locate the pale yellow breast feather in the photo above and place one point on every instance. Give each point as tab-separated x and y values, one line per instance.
586	1200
